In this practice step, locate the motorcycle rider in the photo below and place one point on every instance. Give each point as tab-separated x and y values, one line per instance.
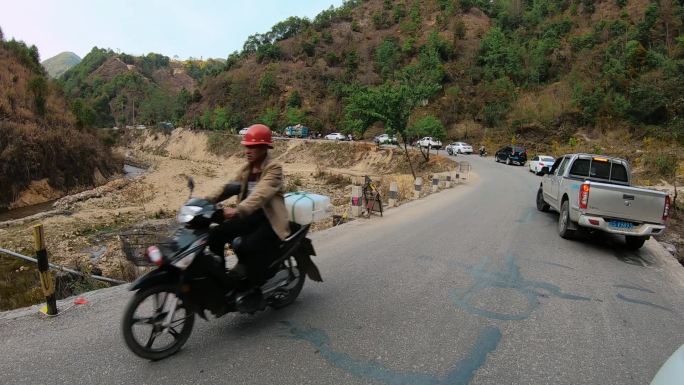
259	222
482	150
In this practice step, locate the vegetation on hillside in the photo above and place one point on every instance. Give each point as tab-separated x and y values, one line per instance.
611	64
37	135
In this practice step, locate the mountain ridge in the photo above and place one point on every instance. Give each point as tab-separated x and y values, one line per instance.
57	65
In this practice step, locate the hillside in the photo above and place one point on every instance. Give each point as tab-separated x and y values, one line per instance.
42	154
554	75
57	65
108	88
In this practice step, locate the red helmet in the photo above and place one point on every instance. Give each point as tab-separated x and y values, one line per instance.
257	134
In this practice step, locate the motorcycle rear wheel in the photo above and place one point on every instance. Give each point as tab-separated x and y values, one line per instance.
286	296
177	332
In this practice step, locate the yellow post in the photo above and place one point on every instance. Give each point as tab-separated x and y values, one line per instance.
46	281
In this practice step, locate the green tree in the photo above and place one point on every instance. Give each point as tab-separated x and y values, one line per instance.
294	100
390	103
294	115
427	126
267	83
351	62
327	37
221	118
207	120
39	89
85	116
270	117
387	58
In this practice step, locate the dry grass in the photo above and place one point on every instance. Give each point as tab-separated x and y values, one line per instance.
544	106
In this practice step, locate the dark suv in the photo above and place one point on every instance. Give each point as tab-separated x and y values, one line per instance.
511	155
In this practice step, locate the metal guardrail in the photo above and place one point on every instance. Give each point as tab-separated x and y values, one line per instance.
62	268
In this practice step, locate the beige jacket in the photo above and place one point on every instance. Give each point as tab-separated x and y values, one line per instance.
267	195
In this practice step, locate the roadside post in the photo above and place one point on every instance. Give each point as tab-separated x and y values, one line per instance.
442	181
447	182
356	193
46	281
417	187
435	183
393	194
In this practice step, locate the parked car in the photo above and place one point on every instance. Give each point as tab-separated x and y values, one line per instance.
243	131
594	192
429	142
511	155
459	148
540	161
385	139
335	136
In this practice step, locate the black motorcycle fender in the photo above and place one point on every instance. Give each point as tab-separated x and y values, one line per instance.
154	278
303	257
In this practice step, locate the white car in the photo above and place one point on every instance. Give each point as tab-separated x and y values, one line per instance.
243	131
540	161
385	139
335	136
459	148
429	142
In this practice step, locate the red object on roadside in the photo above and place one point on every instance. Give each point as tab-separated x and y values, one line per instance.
80	301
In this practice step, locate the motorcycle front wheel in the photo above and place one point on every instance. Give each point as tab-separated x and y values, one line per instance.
156	323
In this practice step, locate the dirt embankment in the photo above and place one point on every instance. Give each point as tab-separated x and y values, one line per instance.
83	232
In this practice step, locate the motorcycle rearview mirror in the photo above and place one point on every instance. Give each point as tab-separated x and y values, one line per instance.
191	185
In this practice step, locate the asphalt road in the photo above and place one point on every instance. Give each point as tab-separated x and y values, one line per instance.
471	285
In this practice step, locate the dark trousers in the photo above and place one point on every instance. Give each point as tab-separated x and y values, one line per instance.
256	248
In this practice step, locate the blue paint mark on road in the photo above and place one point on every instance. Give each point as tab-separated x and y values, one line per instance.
635	288
509	278
559	265
640	302
528	215
461	374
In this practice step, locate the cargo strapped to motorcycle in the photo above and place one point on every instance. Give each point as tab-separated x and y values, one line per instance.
301	195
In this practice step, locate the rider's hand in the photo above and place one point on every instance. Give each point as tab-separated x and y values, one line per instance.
229	213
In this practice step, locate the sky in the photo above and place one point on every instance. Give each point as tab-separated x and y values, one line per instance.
190	28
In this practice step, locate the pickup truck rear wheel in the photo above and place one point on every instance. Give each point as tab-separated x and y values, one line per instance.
541	204
564	221
508	161
634	243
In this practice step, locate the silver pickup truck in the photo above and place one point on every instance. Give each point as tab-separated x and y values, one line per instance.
594	192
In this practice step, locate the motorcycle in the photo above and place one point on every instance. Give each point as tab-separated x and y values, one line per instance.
189	280
483	152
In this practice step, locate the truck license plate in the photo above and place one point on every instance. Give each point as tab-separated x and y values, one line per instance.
620	224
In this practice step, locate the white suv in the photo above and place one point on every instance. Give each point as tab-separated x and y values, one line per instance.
429	141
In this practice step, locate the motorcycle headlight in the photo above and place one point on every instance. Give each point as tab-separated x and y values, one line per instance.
186	213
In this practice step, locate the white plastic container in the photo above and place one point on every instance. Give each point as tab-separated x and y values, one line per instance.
304	208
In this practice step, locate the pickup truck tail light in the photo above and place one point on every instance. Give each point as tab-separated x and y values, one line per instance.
666	209
583	196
